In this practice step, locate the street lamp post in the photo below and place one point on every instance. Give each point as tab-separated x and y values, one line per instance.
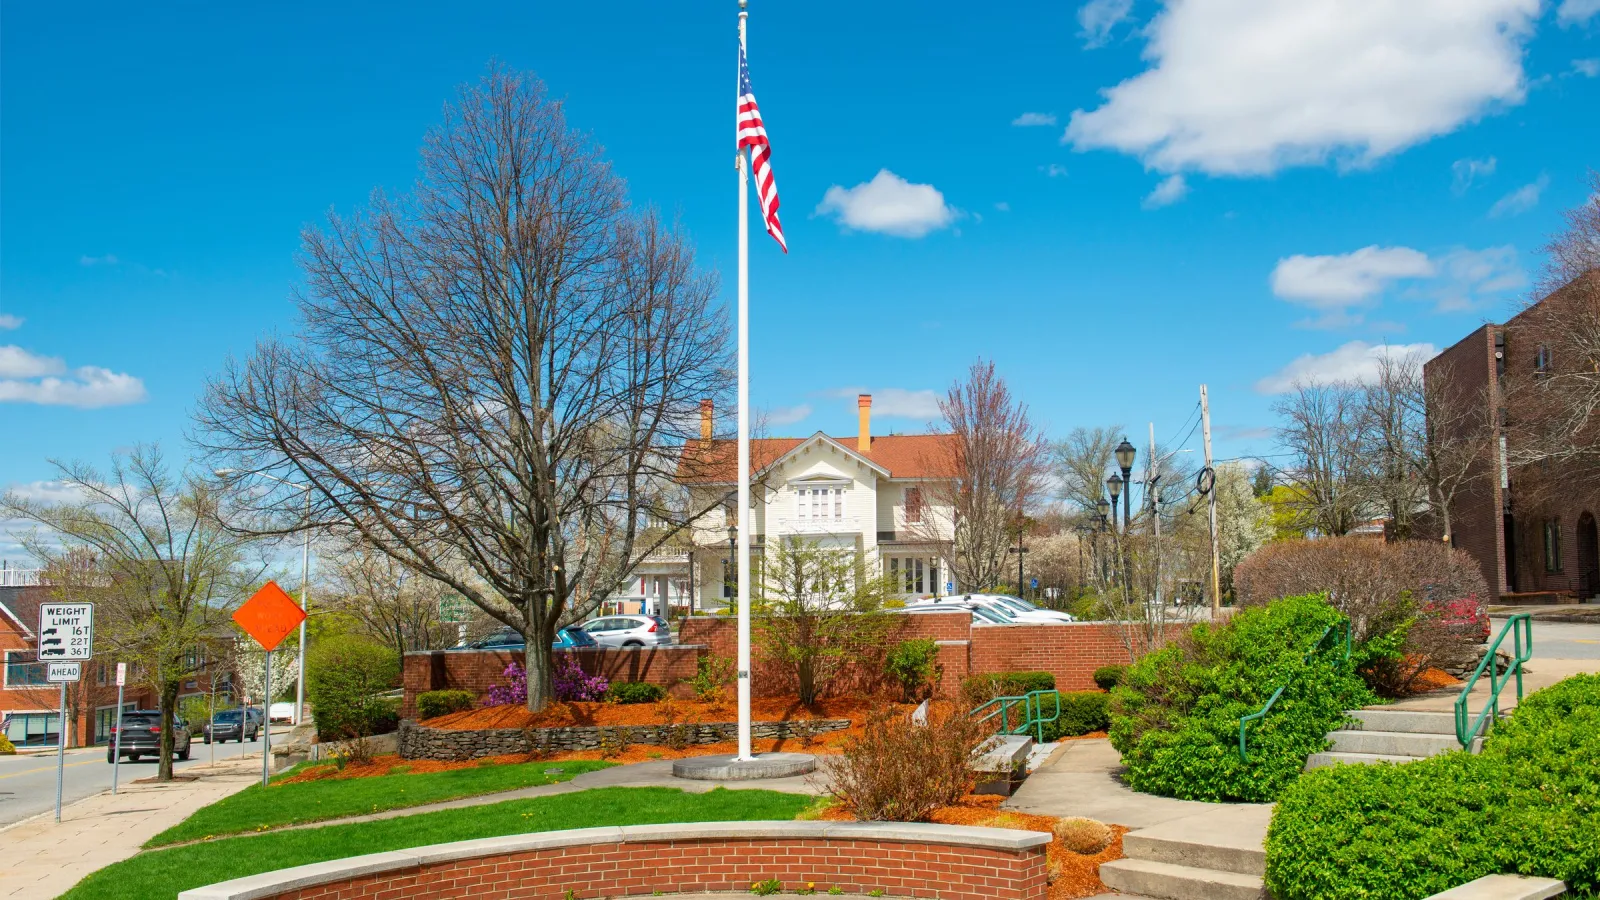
1124	454
733	556
305	602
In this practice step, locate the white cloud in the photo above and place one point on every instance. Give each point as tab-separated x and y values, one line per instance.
8	322
1520	200
1003	206
1172	189
788	415
1248	87
1471	278
1577	12
1335	285
888	204
897	403
29	378
1028	119
1054	170
1466	171
1588	68
1356	361
107	260
1098	17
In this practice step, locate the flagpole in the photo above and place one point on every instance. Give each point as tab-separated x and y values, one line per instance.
744	520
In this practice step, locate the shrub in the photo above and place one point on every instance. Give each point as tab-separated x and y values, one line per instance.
898	771
983	688
1108	677
712	676
1528	804
1085	836
572	683
345	679
197	710
1432	592
6	747
634	692
432	704
1175	717
1081	713
514	692
913	665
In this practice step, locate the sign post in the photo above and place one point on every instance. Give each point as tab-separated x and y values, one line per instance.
66	638
116	732
268	617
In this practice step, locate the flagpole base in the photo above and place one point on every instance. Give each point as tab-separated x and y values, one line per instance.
728	767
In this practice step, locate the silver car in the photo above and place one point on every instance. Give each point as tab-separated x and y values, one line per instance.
630	631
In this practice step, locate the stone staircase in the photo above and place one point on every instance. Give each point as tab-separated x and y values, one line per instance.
1390	735
1215	855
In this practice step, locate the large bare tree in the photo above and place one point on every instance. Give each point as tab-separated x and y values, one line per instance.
392	604
494	373
1321	431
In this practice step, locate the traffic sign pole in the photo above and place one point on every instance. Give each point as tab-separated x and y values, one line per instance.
61	749
116	739
266	733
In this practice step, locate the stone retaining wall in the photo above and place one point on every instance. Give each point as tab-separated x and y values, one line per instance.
420	742
900	860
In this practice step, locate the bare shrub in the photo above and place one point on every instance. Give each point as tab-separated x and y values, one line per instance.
1434	592
1085	836
898	771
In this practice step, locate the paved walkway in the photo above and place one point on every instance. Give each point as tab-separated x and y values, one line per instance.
41	859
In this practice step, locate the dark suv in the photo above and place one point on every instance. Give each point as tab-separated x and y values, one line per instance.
233	725
141	736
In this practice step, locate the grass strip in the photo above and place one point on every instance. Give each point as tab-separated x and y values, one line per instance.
258	809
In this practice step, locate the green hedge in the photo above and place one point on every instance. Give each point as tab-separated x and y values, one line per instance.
1108	677
634	692
983	688
431	704
1530	804
1081	713
1175	716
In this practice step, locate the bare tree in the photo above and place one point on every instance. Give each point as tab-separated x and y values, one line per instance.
997	460
494	375
1083	461
1321	429
1456	451
393	604
169	573
1392	440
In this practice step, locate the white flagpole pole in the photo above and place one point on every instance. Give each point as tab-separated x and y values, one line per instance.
744	520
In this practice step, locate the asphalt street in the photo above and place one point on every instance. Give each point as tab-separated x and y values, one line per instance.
1559	640
28	781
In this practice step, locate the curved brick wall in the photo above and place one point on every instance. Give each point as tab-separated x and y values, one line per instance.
904	860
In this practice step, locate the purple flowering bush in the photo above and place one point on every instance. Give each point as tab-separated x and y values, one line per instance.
514	692
571	683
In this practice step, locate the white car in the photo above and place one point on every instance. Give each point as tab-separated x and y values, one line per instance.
280	712
980	615
1010	608
630	631
1025	610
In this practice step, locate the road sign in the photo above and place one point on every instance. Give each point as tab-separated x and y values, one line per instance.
269	616
63	672
1033	583
452	609
66	631
122	674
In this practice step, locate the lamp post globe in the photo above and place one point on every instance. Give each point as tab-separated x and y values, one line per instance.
1125	453
1114	485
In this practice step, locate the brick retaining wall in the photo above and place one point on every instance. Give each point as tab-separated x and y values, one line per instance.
947	862
418	742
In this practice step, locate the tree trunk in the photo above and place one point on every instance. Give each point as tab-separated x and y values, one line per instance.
808	683
169	706
537	661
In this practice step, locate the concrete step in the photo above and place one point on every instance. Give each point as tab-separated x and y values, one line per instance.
1173	882
1393	743
1410	721
1187	843
1326	758
1505	887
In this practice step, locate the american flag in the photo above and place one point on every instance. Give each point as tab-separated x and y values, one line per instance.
753	134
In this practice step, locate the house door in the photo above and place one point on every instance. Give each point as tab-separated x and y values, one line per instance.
1588	556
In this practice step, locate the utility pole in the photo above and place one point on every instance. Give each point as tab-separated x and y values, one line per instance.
1211	503
1153	497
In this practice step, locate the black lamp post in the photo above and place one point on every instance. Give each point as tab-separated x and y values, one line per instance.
1124	454
733	563
1114	486
1103	520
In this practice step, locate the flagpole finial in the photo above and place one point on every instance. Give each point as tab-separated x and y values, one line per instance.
743	4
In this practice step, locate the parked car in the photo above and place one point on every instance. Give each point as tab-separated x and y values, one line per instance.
630	631
233	724
281	712
1028	611
141	736
1012	609
571	638
981	615
568	638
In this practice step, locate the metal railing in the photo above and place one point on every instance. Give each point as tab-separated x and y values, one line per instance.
1244	721
1520	627
20	577
1030	716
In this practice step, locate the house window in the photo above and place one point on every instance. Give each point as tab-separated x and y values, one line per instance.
909	573
913	505
1541	361
23	669
819	504
1552	545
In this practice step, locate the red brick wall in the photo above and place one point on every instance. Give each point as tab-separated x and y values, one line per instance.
476	670
899	869
1069	652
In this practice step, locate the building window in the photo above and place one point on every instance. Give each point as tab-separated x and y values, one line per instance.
913	505
32	729
23	669
908	573
819	504
1552	545
1541	361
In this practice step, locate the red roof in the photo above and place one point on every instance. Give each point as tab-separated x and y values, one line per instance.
903	455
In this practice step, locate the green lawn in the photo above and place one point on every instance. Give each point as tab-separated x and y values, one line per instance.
256	808
161	874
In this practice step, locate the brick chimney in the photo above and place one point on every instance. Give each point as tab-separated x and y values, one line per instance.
705	421
864	410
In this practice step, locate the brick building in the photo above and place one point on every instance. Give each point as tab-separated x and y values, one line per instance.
1532	528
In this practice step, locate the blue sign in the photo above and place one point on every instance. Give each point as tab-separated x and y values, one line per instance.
949	587
1033	583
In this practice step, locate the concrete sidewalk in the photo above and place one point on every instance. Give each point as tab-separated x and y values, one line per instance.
41	859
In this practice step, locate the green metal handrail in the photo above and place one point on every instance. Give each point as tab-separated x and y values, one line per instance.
1244	721
1520	627
1033	717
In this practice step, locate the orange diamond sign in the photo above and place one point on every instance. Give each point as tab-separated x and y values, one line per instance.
269	615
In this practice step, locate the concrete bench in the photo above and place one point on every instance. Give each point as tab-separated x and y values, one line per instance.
1002	763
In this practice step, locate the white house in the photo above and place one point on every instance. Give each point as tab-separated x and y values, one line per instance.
873	496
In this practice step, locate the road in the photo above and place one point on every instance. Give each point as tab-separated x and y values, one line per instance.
28	781
1559	640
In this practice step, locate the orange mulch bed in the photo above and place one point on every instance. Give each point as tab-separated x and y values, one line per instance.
565	715
1432	680
1073	875
390	764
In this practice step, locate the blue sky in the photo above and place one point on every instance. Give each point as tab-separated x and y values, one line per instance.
1115	201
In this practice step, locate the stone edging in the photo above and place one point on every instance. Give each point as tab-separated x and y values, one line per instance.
452	745
272	884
